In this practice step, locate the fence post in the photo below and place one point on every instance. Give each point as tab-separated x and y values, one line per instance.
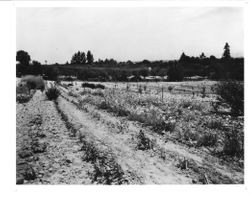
162	92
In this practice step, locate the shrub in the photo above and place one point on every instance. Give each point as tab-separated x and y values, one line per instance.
234	143
203	92
144	143
52	93
170	88
232	94
93	86
33	82
100	86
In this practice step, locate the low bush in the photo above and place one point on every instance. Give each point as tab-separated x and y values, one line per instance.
93	86
208	140
234	143
34	82
99	86
170	88
232	94
144	143
52	93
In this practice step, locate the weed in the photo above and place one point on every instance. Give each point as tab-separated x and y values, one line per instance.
144	143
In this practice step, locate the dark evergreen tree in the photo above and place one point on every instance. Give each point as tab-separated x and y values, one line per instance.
226	54
90	58
202	56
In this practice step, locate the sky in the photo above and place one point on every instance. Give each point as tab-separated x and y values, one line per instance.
126	33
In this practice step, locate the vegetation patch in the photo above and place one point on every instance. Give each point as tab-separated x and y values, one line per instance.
52	93
230	93
143	143
234	143
93	86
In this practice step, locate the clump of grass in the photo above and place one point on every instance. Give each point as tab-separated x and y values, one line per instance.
144	143
52	93
207	140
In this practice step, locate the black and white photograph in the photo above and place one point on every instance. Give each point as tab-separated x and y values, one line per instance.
130	95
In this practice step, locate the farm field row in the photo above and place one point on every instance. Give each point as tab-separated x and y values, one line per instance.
120	137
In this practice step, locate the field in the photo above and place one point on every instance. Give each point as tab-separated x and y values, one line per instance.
127	133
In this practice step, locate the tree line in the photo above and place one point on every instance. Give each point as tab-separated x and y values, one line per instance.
84	67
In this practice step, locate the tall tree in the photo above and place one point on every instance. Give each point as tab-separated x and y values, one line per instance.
82	58
202	56
78	58
226	53
23	57
90	58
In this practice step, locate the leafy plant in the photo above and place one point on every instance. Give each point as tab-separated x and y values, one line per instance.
52	93
144	143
